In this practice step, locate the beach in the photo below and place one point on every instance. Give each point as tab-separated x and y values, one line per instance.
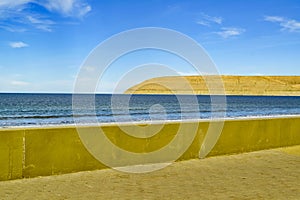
149	100
252	158
267	174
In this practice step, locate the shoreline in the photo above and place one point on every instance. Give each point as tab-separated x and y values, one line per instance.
102	124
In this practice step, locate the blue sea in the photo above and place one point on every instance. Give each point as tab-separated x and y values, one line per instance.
56	109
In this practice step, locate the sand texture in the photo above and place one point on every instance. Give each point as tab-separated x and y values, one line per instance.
268	174
233	85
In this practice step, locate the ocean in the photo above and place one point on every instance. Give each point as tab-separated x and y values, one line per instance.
56	109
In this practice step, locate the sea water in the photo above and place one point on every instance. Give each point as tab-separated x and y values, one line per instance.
56	109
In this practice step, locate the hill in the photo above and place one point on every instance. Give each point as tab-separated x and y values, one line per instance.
233	85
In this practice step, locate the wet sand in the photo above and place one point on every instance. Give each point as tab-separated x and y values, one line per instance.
268	174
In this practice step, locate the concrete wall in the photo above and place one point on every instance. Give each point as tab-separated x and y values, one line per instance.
252	135
11	154
31	152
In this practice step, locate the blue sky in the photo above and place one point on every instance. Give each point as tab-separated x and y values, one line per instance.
44	42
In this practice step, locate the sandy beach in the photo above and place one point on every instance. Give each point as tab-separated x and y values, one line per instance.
149	100
267	174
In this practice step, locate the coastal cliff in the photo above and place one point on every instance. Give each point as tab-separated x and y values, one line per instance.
233	85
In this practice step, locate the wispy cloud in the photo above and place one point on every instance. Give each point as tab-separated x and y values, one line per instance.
290	25
230	32
273	19
12	29
19	12
17	45
75	8
19	83
203	23
40	23
12	4
207	20
217	22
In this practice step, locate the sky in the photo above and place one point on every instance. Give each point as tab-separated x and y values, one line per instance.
43	43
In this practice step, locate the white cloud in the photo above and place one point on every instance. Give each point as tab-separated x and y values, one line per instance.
273	19
65	6
290	25
217	20
207	20
203	23
13	3
42	24
75	8
12	29
19	12
225	32
17	45
83	11
19	83
229	32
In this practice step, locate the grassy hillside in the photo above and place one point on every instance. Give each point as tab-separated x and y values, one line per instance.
233	85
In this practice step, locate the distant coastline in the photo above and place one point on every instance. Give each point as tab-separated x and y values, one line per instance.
233	85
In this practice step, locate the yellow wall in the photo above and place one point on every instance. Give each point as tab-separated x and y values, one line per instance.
31	152
52	151
11	154
252	135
